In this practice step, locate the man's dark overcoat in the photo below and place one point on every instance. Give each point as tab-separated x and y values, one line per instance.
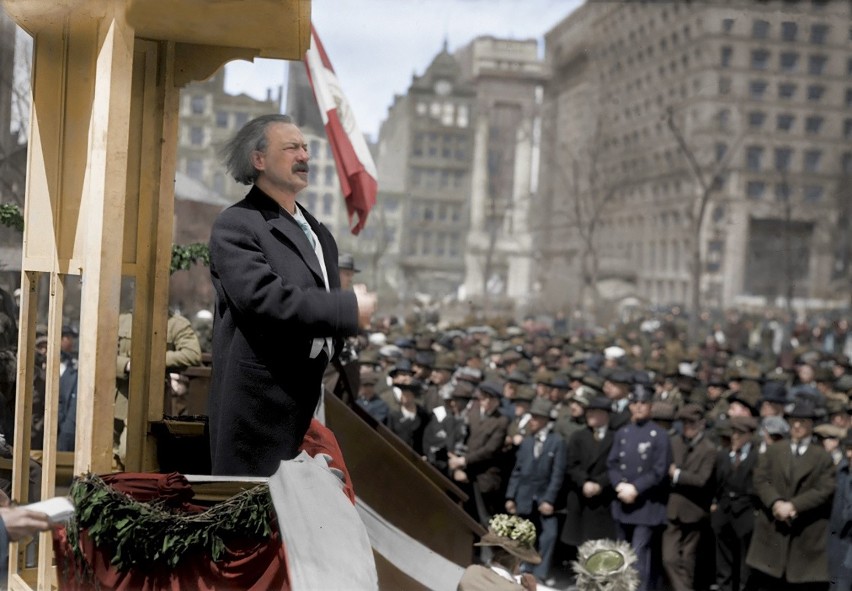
734	496
271	303
796	551
587	518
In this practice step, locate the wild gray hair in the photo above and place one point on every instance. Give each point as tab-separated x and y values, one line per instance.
236	154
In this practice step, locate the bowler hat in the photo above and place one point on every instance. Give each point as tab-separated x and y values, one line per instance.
599	403
774	391
347	261
743	424
518	377
802	409
620	376
402	366
491	389
524	393
463	390
592	380
541	407
747	399
69	331
415	386
690	412
663	411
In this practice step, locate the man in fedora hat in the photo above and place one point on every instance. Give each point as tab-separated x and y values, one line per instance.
795	482
347	269
511	540
478	470
733	519
688	509
537	479
589	492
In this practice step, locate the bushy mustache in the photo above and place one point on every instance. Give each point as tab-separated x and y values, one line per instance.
300	167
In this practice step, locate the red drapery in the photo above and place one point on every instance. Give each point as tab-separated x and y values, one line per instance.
247	565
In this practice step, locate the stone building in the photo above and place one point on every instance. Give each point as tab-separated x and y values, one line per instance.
508	76
208	118
425	151
760	93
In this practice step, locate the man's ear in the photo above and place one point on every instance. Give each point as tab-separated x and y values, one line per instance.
257	159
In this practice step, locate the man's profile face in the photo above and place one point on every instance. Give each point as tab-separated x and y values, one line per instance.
284	163
346	276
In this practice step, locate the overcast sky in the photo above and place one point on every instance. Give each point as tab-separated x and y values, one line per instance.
376	45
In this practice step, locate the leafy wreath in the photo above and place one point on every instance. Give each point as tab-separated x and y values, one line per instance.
147	534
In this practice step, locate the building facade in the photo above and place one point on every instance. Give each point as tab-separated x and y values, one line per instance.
209	117
508	76
425	150
738	114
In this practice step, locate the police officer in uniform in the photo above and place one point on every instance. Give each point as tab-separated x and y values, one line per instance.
638	467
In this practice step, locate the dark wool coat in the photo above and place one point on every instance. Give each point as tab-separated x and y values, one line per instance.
735	498
271	303
587	518
796	551
640	455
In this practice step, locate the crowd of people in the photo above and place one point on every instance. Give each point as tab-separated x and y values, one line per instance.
735	451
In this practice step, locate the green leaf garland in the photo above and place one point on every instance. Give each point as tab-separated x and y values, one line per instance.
149	534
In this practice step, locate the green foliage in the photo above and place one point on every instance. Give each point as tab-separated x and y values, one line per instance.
12	216
183	257
146	534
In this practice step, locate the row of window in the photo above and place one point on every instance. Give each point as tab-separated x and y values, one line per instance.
788	61
788	31
327	173
759	89
327	203
440	244
754	156
445	145
430	212
448	113
813	124
784	122
442	178
810	193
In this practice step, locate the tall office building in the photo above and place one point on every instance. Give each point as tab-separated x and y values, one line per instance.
424	157
760	92
508	76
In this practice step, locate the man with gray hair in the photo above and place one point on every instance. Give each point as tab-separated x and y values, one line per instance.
280	313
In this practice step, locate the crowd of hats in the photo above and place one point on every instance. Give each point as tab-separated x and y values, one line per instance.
482	358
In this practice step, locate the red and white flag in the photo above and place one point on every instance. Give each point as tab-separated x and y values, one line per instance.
355	166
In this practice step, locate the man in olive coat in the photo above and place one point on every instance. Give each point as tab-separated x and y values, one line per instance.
688	509
794	481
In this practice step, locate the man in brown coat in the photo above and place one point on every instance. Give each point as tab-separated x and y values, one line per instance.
794	481
478	470
688	509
